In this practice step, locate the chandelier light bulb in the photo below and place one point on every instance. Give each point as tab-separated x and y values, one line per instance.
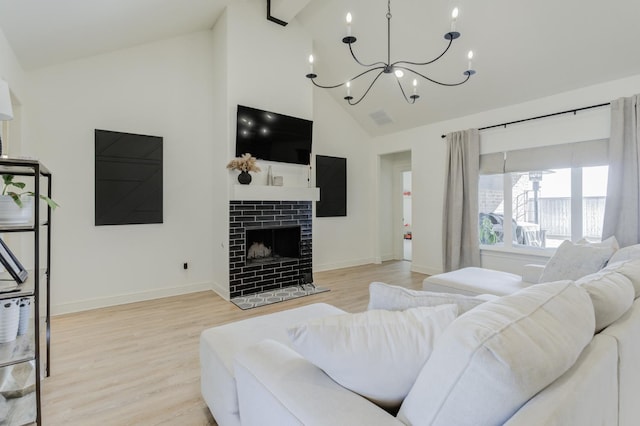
399	73
415	86
310	66
454	17
349	18
470	57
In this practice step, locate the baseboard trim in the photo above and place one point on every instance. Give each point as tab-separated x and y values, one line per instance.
340	265
221	291
122	299
425	269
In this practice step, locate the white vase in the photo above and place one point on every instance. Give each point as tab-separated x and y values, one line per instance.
9	319
25	313
11	213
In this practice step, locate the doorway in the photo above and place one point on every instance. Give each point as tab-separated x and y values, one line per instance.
407	234
395	233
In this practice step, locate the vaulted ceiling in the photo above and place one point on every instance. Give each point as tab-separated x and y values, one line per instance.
524	50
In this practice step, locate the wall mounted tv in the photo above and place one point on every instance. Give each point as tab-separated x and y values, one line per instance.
128	181
273	137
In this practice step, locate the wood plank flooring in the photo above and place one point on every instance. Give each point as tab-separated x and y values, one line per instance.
138	364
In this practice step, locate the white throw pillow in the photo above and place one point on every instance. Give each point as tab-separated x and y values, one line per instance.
609	242
493	359
626	253
611	293
394	298
573	261
630	269
377	354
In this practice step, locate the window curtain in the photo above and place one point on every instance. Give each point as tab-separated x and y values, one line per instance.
461	247
622	210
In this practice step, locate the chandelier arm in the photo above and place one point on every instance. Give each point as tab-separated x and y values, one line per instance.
428	62
367	91
342	84
402	90
353	55
466	73
324	87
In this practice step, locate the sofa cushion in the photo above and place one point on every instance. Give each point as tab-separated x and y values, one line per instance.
395	298
494	358
611	294
573	261
377	354
630	269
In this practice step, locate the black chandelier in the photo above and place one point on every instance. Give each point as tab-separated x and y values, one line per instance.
397	67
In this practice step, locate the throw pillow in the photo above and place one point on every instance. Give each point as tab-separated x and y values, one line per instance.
573	261
394	298
626	253
630	269
611	293
609	242
377	354
493	359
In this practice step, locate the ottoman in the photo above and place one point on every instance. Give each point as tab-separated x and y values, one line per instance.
219	345
475	281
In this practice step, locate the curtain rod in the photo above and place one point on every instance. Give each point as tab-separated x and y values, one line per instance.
542	116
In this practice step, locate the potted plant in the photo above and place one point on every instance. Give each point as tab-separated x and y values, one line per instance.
16	205
244	164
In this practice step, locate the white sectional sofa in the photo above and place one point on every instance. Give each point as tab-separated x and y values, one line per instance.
562	353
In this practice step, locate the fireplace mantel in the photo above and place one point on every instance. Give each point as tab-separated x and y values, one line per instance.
274	193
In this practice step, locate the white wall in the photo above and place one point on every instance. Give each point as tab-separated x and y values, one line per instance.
162	89
339	242
428	153
222	152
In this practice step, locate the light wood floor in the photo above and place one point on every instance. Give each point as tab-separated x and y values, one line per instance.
138	364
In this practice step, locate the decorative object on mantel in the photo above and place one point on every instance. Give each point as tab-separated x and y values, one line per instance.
397	68
278	181
274	296
244	164
6	111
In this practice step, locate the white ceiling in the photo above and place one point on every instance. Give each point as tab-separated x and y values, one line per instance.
524	49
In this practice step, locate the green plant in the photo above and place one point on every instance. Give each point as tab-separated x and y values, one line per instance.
16	196
487	234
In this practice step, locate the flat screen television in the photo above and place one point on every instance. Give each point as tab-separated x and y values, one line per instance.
273	137
128	180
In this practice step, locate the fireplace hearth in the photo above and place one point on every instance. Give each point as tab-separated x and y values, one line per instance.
269	245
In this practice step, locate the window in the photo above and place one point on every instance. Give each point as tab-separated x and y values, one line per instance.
542	206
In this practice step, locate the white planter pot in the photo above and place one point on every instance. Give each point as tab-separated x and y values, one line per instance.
11	213
25	313
9	320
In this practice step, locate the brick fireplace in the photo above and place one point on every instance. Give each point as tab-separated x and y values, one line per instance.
269	245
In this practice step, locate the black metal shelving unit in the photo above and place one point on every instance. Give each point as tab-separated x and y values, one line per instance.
34	346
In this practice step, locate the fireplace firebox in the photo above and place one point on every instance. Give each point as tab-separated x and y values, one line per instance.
265	245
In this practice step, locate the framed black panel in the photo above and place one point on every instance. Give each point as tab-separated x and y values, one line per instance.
128	181
331	178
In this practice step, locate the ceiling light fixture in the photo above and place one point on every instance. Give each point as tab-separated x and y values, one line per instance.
397	68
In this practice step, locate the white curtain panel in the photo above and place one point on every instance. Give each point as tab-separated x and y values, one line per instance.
622	210
460	244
